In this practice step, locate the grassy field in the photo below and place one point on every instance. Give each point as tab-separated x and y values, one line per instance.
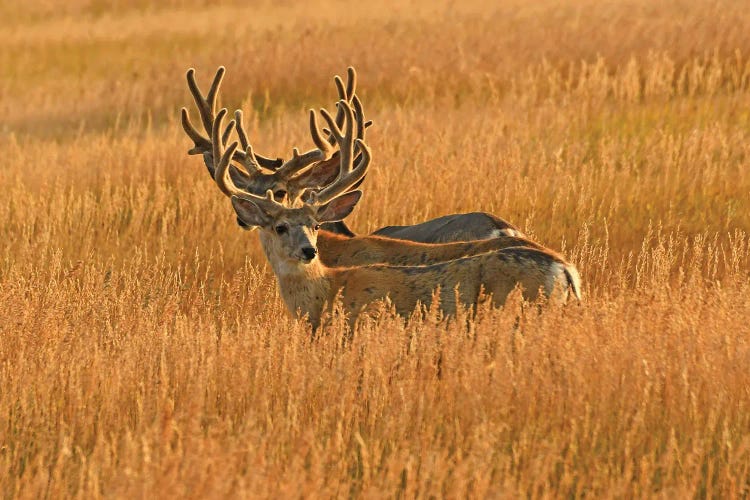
144	351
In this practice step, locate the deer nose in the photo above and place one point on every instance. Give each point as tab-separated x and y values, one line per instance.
309	253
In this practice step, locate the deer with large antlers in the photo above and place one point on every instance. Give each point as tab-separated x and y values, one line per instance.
289	239
335	249
264	174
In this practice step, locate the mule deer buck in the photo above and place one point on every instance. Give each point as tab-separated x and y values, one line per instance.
289	239
337	250
288	183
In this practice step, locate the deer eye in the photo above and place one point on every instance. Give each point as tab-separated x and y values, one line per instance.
279	194
281	229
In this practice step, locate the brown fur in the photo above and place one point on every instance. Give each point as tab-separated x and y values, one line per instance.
309	286
306	285
341	251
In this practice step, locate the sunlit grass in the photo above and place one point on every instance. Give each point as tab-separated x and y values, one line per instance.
144	350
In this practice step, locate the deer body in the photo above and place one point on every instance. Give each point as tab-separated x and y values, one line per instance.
306	287
445	229
453	227
342	251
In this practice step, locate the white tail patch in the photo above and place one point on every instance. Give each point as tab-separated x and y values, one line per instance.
566	277
497	233
574	280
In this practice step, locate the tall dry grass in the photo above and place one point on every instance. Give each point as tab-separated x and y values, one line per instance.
143	348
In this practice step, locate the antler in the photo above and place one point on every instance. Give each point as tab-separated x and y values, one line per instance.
255	173
206	109
299	161
223	180
349	174
348	93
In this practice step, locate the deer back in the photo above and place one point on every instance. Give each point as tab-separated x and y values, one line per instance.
454	227
342	251
496	273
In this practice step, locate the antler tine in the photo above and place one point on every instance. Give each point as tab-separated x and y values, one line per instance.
206	105
221	178
351	74
299	161
206	109
250	161
202	144
241	129
343	138
348	93
348	175
345	93
263	161
362	125
227	132
359	114
347	182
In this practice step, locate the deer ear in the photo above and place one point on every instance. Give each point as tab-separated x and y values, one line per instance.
320	174
338	208
249	214
239	178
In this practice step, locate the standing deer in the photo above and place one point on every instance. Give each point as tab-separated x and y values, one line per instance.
289	182
289	237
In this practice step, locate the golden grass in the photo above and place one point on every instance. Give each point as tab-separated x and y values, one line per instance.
143	348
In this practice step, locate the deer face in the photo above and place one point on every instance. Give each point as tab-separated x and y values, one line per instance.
291	234
294	236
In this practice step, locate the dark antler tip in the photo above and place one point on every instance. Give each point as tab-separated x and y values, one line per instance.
190	72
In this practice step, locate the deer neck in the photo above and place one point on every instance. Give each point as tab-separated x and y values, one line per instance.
305	288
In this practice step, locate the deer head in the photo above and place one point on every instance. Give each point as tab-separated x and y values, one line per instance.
291	234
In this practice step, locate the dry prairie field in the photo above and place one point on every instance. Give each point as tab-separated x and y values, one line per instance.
144	349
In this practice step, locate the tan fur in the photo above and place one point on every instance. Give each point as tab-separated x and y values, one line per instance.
343	251
306	286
